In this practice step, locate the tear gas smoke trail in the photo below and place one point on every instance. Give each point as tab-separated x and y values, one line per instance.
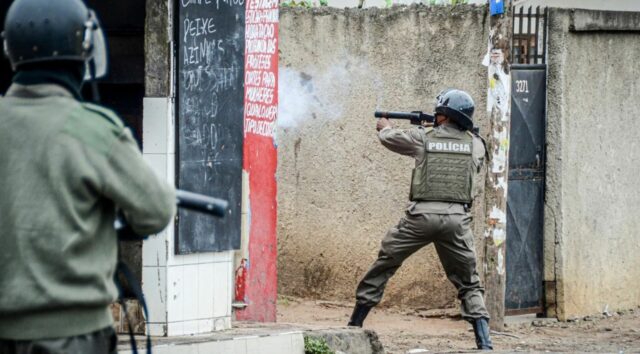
303	95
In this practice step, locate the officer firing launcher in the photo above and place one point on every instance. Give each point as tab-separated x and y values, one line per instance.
415	118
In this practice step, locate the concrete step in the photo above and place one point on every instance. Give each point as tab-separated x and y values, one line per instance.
259	338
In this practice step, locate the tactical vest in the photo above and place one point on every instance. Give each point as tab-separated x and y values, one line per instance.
446	173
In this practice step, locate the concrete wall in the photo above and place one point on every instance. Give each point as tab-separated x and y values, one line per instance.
383	3
339	189
592	245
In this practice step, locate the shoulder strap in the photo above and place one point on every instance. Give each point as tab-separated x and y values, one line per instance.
484	144
426	132
131	279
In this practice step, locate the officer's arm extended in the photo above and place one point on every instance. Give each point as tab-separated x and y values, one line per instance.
147	202
409	142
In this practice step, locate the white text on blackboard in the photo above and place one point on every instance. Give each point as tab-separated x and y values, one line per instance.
198	27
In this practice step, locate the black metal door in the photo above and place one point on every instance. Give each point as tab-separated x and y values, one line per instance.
525	199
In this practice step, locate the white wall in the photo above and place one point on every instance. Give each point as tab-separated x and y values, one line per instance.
185	294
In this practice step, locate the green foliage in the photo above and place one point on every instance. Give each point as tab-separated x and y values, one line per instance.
316	346
284	300
301	3
448	2
304	3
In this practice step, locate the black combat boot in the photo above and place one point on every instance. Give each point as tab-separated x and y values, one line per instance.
481	330
360	312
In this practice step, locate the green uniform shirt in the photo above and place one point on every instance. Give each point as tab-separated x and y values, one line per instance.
64	168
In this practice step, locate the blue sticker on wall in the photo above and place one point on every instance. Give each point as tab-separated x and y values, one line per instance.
497	7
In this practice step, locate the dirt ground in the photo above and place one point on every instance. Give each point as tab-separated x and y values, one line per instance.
401	330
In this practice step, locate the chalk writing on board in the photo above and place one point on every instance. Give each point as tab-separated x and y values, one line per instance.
218	3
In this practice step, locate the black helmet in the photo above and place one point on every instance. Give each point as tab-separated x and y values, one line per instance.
39	31
457	105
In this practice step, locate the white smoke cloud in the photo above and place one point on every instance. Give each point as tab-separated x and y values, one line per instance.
303	94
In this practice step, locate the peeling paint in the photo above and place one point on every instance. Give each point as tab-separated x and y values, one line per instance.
499	236
498	108
499	89
500	153
500	267
498	215
498	101
502	183
498	220
241	281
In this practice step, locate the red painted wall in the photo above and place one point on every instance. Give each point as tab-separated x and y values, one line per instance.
256	279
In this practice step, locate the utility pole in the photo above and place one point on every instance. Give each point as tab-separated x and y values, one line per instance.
499	111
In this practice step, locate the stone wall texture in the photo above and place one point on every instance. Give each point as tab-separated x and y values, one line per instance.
591	241
339	190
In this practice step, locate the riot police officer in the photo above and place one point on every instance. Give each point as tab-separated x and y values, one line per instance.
65	167
449	159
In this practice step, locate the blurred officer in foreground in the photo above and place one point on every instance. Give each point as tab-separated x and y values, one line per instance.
65	167
449	159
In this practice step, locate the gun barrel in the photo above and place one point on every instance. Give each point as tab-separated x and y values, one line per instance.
398	115
201	203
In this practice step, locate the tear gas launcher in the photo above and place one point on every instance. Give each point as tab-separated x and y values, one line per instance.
415	117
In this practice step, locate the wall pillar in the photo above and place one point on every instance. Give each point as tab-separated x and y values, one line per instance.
499	112
256	274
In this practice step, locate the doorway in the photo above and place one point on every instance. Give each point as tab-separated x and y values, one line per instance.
525	199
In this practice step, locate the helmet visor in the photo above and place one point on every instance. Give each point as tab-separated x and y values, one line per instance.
97	54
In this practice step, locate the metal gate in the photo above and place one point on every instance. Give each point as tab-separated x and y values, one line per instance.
525	199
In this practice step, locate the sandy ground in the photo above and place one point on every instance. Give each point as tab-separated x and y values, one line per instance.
401	330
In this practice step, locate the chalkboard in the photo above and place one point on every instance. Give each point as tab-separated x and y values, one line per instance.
5	67
210	91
